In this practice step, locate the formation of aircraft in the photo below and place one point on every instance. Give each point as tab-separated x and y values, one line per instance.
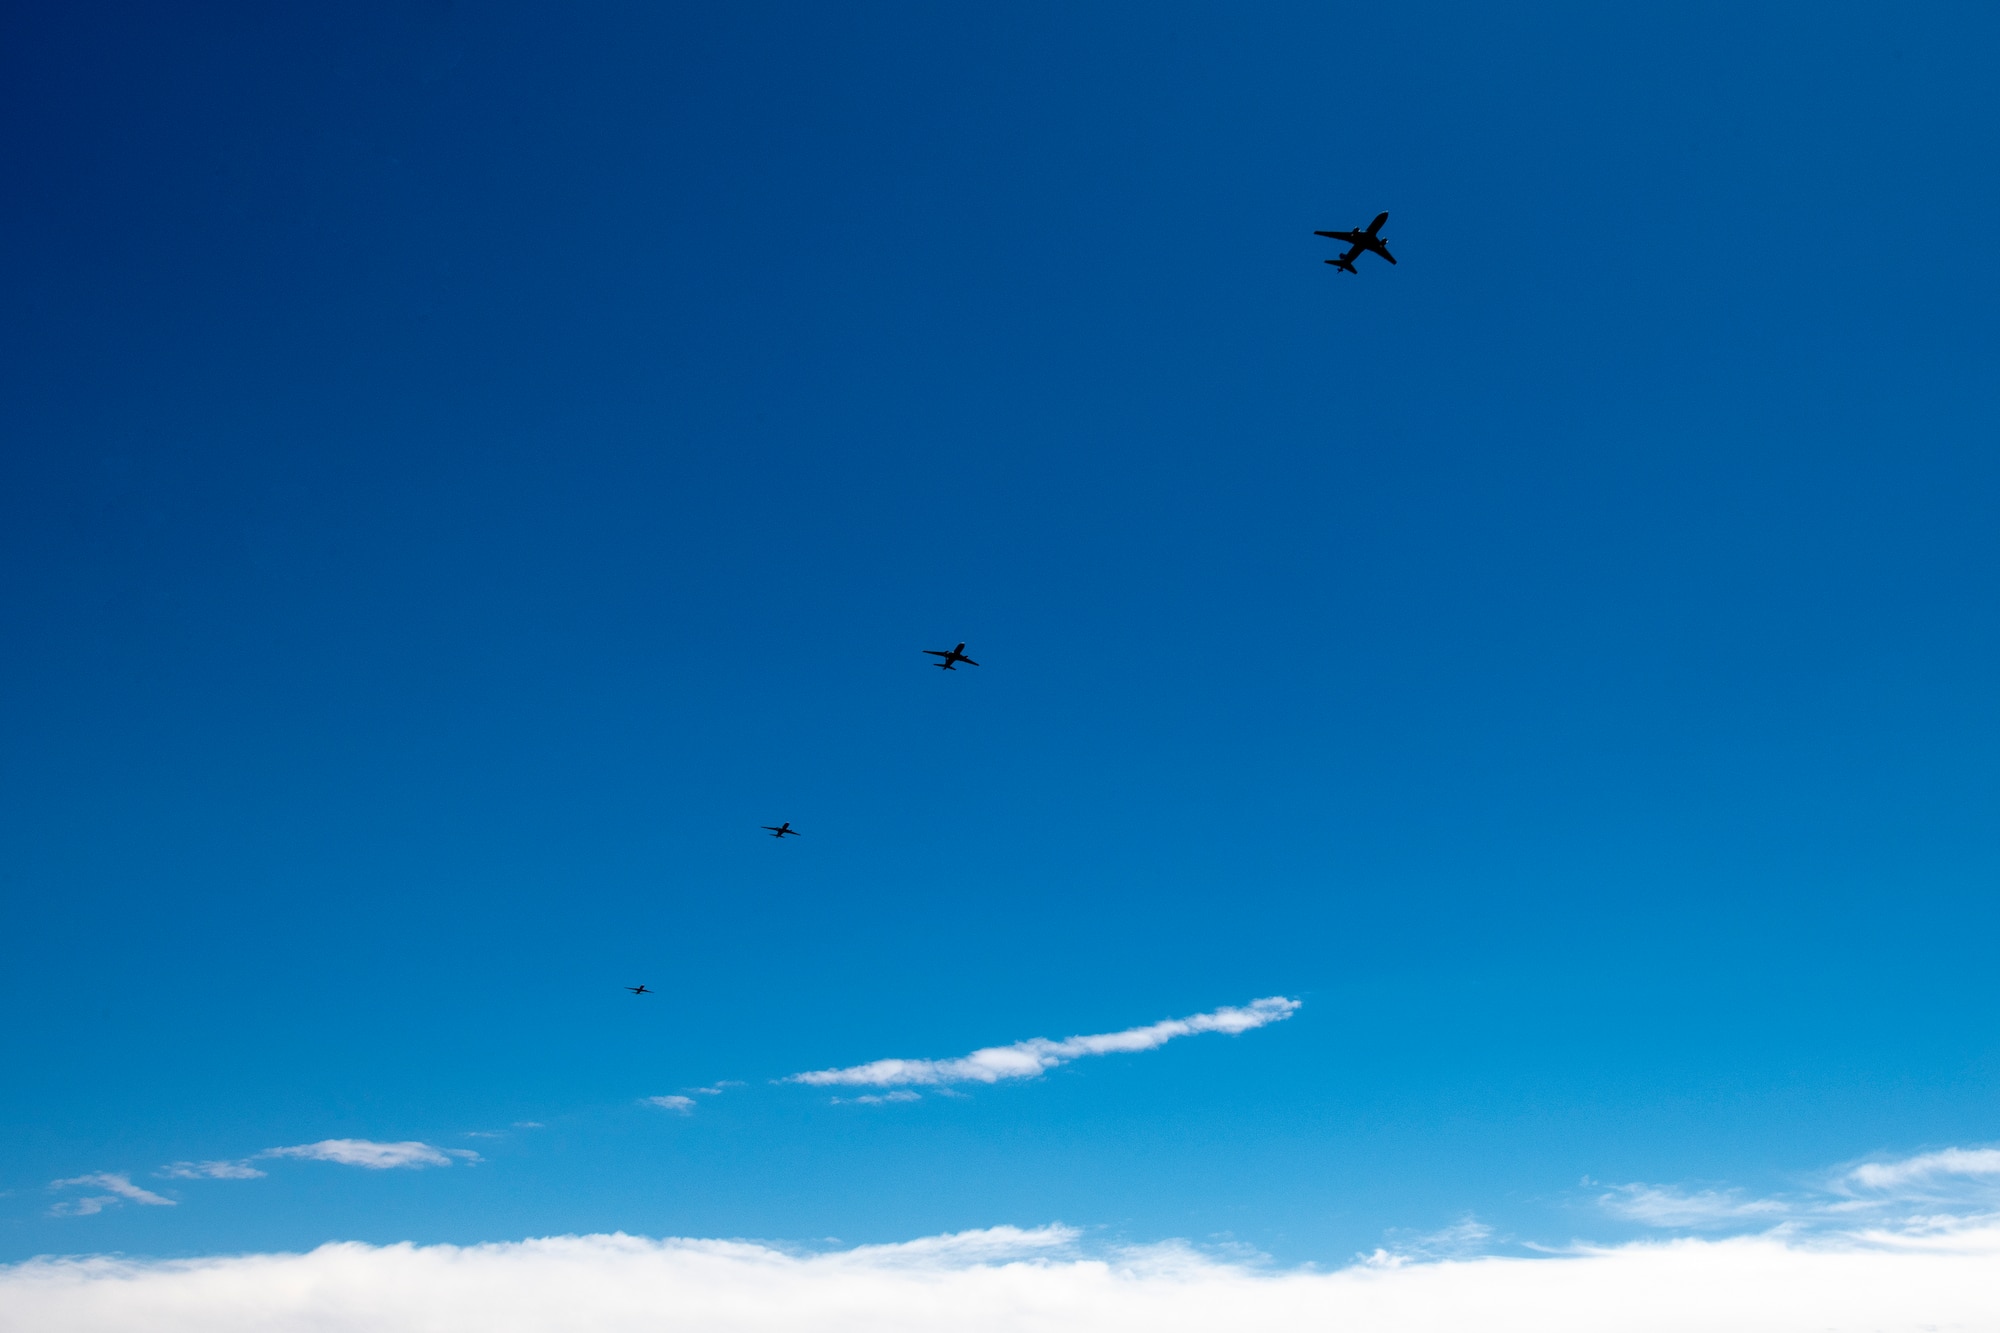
1361	241
951	656
1369	239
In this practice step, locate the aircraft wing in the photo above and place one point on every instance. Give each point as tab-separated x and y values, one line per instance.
1383	251
1351	237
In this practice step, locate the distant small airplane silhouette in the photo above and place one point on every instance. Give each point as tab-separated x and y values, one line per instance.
951	656
1358	241
780	830
638	990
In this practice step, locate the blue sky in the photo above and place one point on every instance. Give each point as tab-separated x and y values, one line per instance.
466	467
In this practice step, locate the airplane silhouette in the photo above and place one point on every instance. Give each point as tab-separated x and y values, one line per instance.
1358	241
951	657
780	830
638	990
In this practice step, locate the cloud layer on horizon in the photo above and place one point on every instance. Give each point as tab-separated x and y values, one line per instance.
1037	1055
1006	1279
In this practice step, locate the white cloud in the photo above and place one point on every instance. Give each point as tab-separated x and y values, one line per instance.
84	1207
870	1099
1926	1169
1461	1240
211	1171
120	1186
1027	1059
1668	1206
1007	1280
1965	1182
685	1105
373	1156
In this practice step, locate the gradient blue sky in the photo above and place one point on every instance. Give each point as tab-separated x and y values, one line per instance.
463	467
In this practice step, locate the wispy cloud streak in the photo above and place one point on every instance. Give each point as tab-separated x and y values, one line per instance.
1037	1055
1669	1206
211	1171
1926	1170
120	1189
1939	1188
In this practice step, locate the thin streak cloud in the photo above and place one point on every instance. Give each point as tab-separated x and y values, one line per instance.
1950	1186
1926	1168
1669	1206
871	1099
119	1187
211	1171
1037	1055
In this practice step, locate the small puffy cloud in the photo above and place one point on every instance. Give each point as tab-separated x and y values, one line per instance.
370	1155
119	1189
211	1171
1028	1059
870	1099
684	1105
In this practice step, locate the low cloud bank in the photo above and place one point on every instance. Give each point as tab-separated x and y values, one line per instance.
1005	1280
1026	1059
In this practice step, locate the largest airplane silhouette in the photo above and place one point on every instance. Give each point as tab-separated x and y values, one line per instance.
1357	241
952	657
